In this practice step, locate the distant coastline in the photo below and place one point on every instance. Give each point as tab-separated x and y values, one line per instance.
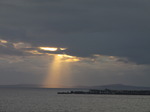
101	87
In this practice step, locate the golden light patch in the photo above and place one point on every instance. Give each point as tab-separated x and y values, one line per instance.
62	49
64	56
3	41
49	48
34	52
20	45
72	60
68	58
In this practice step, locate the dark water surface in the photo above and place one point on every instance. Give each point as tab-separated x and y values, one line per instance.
47	100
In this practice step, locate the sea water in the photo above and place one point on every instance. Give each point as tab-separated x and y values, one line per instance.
47	100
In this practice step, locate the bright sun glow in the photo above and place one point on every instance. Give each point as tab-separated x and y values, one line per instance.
49	48
52	48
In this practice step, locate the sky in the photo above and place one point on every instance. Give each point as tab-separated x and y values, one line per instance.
64	43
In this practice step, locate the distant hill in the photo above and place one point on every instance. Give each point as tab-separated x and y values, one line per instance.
110	86
120	87
20	86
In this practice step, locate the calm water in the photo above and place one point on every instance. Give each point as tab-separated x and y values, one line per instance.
47	100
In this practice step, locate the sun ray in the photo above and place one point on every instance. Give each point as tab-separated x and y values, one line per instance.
59	73
53	78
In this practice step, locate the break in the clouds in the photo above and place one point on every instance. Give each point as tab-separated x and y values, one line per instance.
86	27
9	49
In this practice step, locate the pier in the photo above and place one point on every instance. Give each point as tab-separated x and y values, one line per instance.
109	92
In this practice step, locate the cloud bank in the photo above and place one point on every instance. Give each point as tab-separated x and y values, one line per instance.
114	28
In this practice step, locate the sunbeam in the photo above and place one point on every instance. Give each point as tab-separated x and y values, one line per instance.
59	73
53	78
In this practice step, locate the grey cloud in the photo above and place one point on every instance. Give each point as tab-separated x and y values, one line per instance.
109	73
75	16
119	28
20	49
8	49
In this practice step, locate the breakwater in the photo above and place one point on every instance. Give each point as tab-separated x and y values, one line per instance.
109	92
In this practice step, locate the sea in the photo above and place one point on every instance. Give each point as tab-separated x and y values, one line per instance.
47	100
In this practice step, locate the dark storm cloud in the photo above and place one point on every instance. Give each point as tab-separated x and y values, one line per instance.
86	27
